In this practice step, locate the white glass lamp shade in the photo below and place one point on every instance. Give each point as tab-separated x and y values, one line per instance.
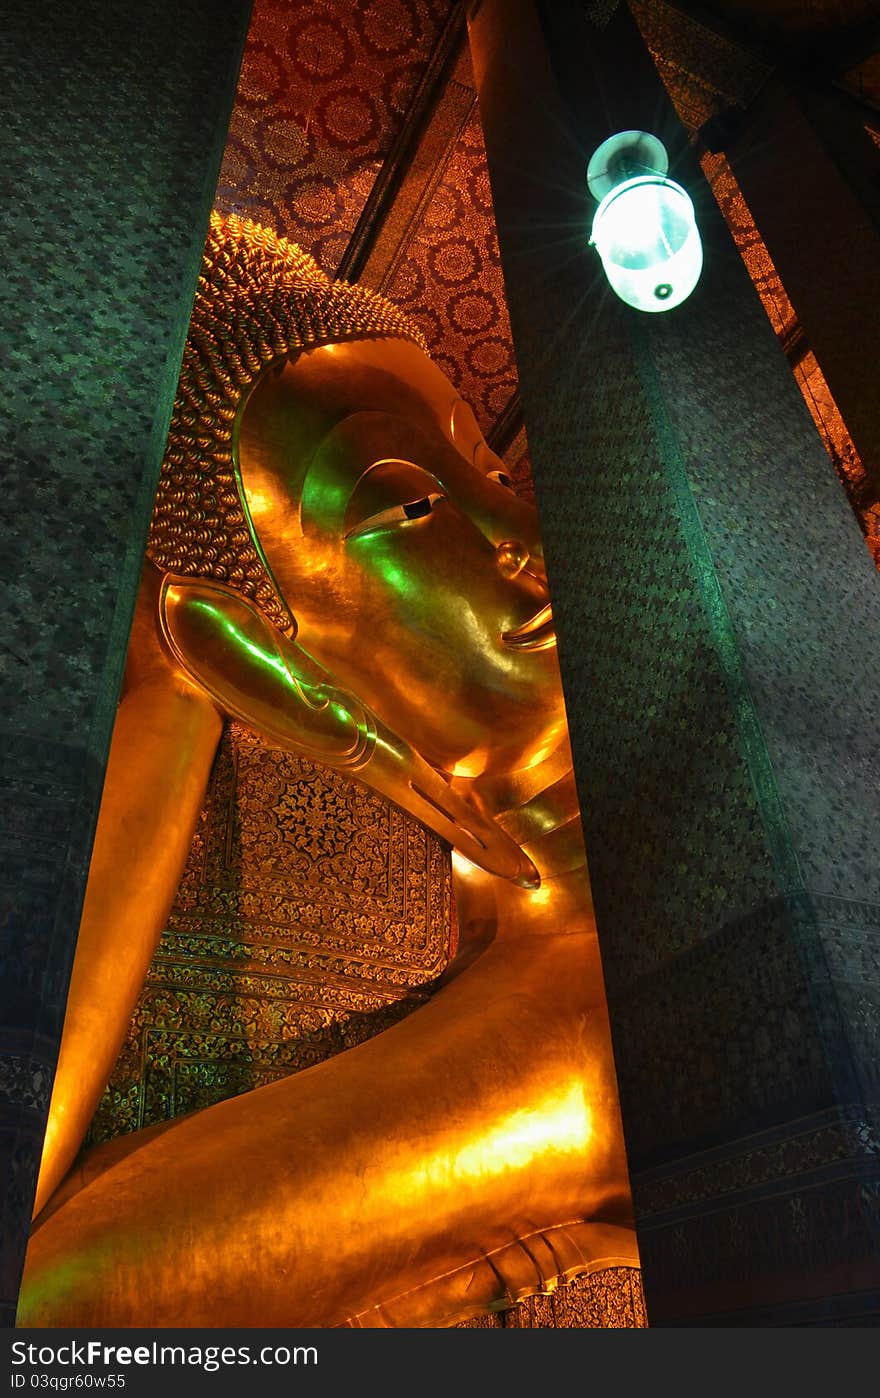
645	232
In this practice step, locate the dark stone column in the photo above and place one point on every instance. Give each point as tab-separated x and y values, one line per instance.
115	115
810	174
719	625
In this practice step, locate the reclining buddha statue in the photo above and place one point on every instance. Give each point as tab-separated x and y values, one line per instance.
338	562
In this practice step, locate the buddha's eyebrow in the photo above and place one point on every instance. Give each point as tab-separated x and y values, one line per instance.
464	430
395	461
360	444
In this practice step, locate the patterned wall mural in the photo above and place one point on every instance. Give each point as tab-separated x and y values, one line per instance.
607	1300
450	281
311	914
324	89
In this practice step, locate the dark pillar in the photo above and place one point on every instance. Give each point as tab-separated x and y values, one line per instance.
810	174
719	624
115	115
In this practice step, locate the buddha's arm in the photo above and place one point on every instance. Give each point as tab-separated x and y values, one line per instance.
385	1176
164	740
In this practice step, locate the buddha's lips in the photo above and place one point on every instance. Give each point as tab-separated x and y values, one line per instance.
535	634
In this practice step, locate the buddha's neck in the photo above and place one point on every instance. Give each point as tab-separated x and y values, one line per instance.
538	807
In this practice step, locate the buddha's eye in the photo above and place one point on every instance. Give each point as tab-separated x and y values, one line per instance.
417	508
396	514
501	477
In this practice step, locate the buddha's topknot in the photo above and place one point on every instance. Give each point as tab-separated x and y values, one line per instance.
258	298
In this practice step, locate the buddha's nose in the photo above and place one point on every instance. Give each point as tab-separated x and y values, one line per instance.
511	557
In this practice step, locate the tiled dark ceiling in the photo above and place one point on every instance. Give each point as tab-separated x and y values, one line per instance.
836	40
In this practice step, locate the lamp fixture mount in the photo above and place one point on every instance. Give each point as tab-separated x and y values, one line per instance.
623	157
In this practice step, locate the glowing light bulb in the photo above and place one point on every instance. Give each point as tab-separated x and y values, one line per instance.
644	229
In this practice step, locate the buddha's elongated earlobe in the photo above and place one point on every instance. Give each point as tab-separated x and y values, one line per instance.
271	684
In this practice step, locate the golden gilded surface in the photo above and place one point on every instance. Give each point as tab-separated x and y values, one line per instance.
400	633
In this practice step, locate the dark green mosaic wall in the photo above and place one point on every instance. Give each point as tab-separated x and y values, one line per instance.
114	115
719	622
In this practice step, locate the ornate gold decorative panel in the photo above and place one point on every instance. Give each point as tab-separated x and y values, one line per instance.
611	1299
311	915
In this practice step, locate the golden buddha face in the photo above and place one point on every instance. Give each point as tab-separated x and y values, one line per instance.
415	574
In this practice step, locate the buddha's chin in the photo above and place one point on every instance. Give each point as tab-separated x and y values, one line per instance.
495	759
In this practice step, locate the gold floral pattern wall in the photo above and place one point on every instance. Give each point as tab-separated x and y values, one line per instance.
324	89
311	915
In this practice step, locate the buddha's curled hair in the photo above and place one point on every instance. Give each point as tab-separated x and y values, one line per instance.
259	298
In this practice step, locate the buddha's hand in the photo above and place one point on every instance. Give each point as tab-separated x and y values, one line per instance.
268	682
